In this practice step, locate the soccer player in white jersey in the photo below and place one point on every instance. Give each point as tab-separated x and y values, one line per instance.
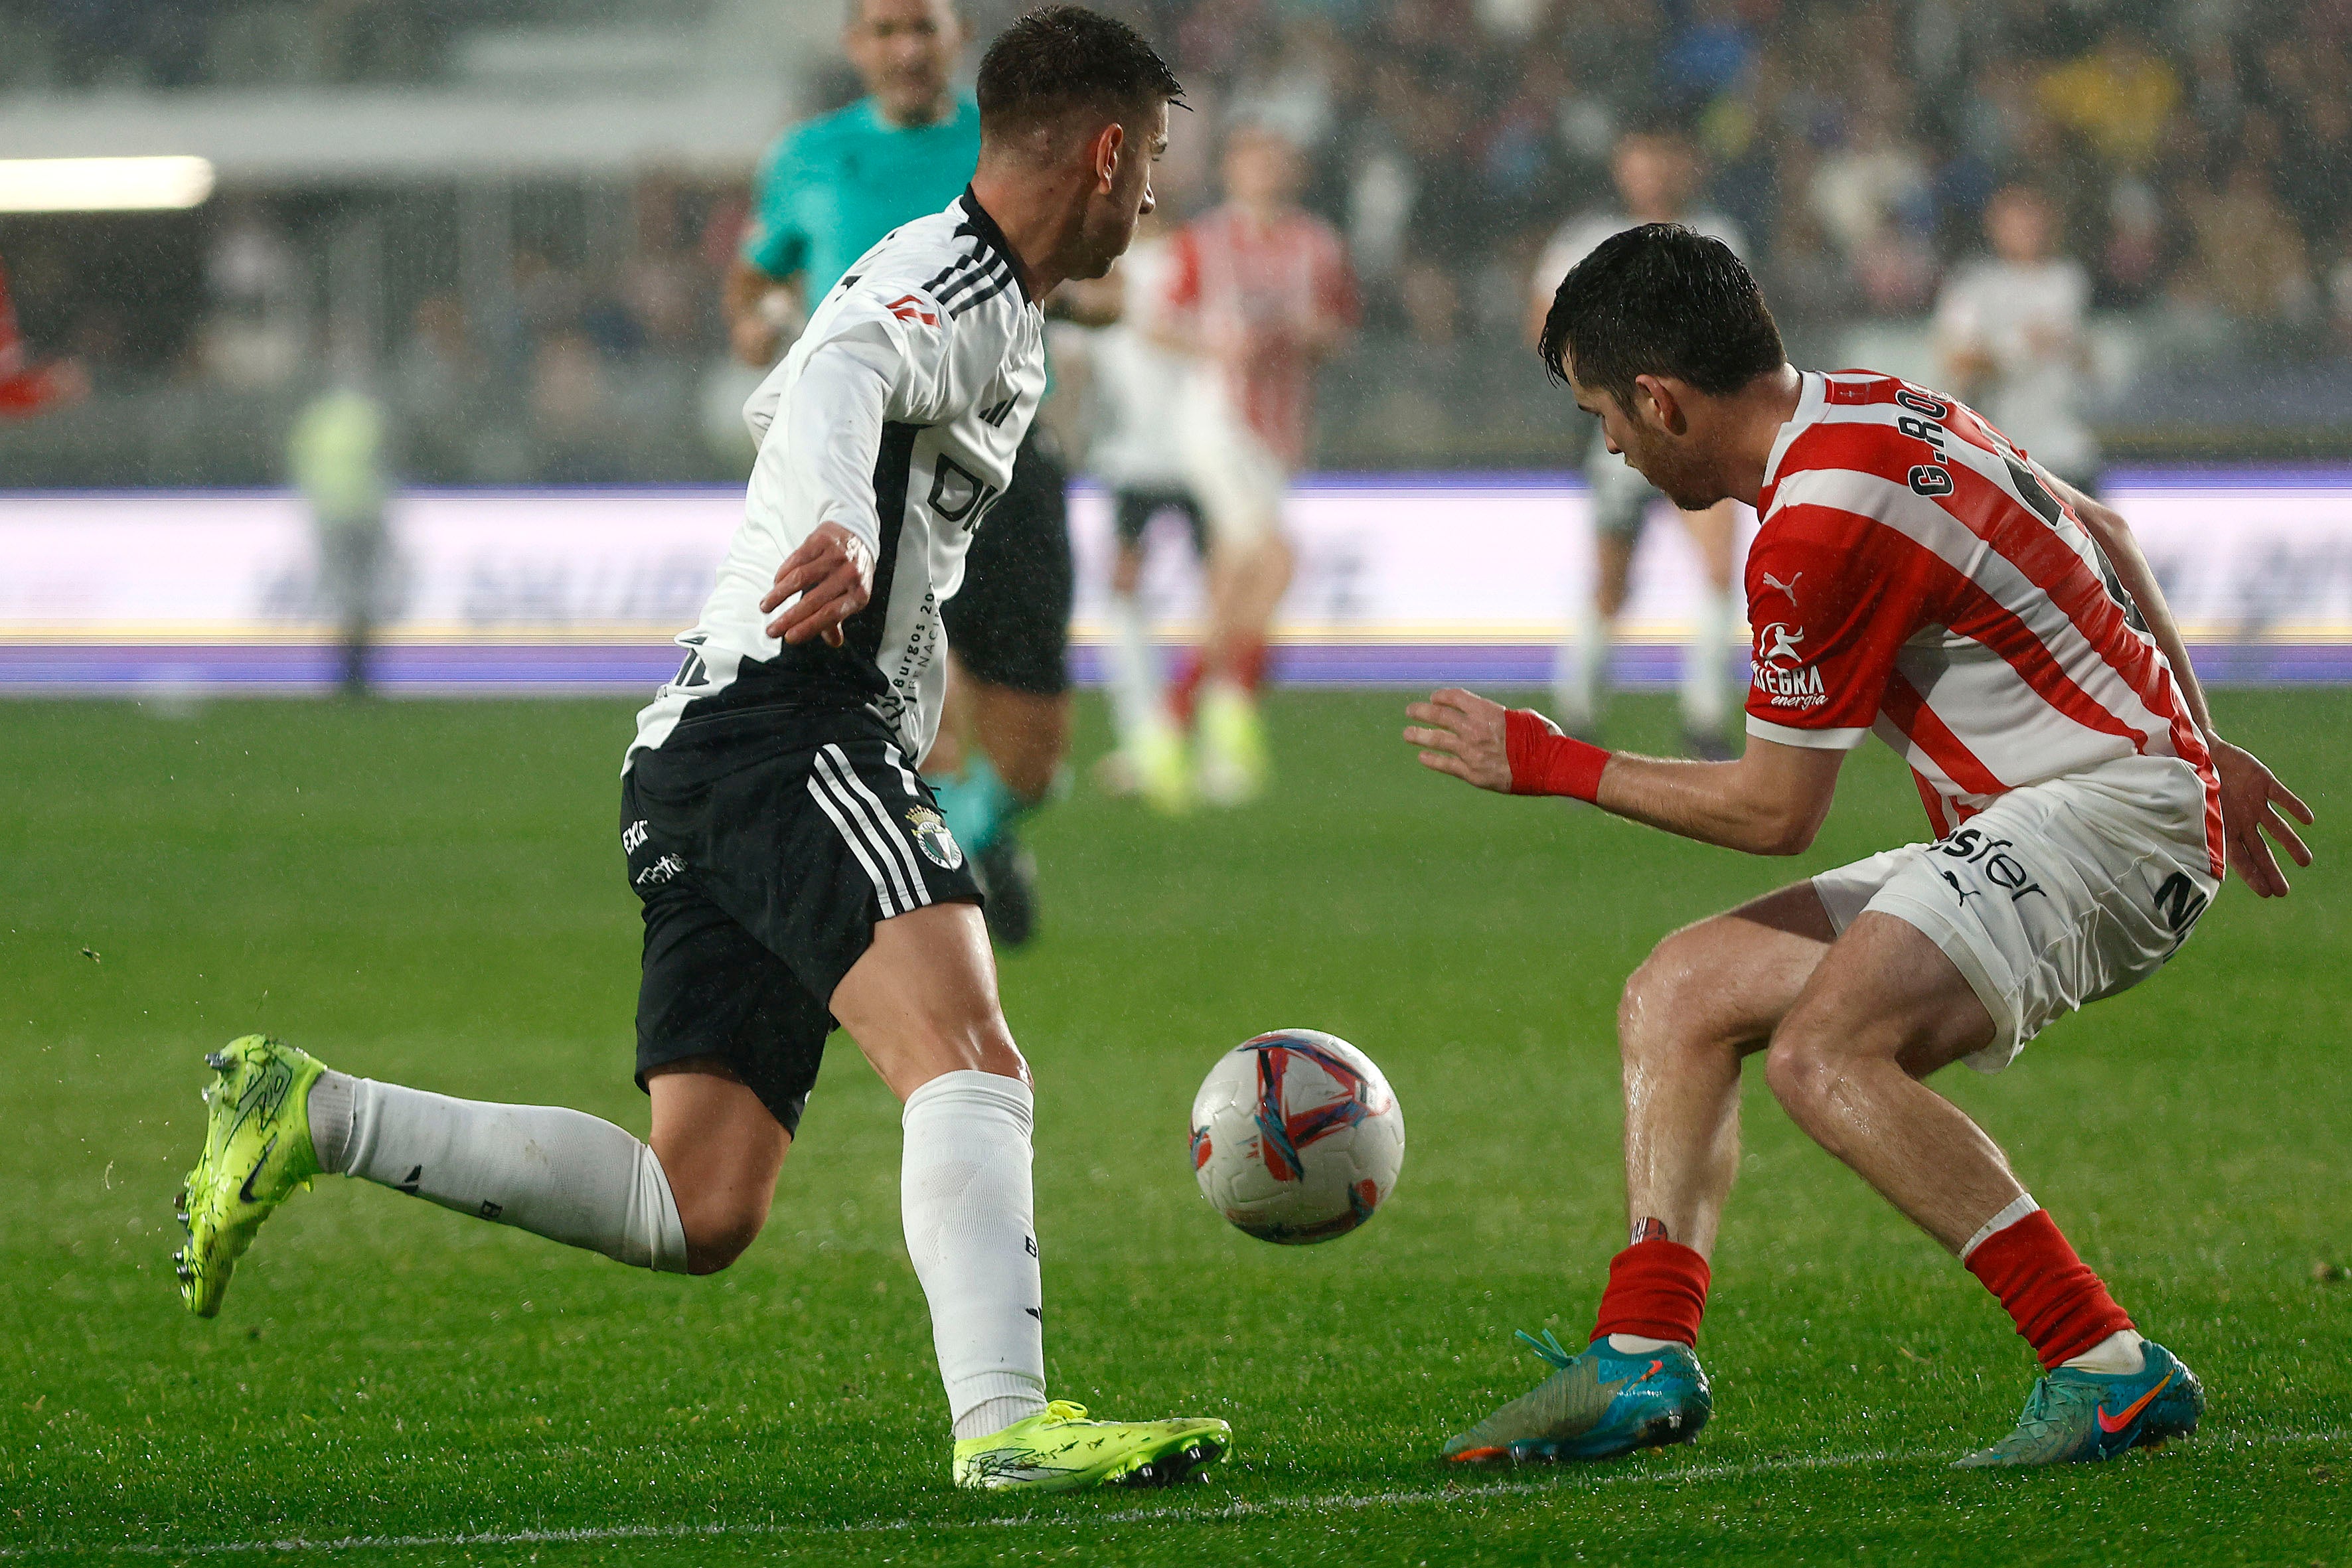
794	870
2010	331
1139	457
1918	576
1656	174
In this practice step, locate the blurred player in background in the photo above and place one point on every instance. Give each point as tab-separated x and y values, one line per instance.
336	455
793	873
827	191
1914	575
1261	291
26	388
2012	332
1656	173
1138	456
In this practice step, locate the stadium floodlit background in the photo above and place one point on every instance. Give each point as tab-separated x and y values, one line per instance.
507	220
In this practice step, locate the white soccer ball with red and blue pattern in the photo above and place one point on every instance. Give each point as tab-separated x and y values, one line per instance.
1296	1137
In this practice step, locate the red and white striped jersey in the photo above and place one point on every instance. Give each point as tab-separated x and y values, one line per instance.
1913	575
1250	291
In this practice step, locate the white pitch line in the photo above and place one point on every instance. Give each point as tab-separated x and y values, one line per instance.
1239	1508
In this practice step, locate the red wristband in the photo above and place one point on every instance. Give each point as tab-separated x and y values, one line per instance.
1544	762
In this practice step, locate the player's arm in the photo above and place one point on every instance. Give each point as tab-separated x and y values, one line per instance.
2252	799
1772	801
762	312
765	297
833	417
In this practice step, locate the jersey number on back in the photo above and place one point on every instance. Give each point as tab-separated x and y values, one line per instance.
2045	505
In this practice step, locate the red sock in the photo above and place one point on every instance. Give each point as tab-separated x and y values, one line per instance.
1249	667
2060	1307
1657	1288
1182	689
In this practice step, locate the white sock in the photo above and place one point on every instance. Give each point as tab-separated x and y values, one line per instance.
1135	699
1707	673
964	1197
1638	1345
2016	1209
2117	1355
563	1174
1579	681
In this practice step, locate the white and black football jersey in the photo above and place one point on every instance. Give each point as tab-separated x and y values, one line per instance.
897	415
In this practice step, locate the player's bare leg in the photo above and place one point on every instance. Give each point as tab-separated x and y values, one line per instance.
722	1151
1024	734
1706	998
1706	682
922	1000
1020	738
922	1003
1884	1009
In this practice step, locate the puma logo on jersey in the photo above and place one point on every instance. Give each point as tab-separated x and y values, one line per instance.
1789	588
907	308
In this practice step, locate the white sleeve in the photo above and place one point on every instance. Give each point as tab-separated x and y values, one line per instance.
871	363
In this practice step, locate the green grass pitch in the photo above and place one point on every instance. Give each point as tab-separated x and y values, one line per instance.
433	892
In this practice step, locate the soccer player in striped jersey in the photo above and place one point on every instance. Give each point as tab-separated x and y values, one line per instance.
1918	577
1261	291
794	870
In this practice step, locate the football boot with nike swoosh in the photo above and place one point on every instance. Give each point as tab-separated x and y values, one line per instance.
256	1153
1062	1446
2073	1415
1595	1406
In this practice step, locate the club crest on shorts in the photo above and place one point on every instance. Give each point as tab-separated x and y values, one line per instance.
932	838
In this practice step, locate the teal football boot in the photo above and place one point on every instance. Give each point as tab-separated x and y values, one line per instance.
2073	1415
1597	1406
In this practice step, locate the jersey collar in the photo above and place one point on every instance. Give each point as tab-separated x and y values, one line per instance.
983	228
1812	398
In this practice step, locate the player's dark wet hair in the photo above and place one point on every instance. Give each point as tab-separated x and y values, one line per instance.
1061	58
1661	299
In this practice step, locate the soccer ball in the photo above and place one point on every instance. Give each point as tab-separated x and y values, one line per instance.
1296	1137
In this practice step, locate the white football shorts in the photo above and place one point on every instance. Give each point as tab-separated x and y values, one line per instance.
1239	480
2054	896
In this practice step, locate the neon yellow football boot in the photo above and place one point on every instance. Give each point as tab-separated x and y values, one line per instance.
1061	1449
1233	763
1163	773
257	1151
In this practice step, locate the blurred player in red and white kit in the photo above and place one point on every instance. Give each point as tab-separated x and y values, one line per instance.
1262	292
1918	577
26	388
1656	171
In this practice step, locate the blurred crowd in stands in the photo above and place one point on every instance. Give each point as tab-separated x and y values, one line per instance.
2197	153
2199	150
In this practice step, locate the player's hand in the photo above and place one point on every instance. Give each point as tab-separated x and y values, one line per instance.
2251	799
1461	733
832	573
754	339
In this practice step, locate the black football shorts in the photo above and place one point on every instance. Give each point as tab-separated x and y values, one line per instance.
1133	510
765	848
